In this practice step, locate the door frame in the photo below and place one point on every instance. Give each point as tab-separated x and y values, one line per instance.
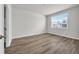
2	29
8	24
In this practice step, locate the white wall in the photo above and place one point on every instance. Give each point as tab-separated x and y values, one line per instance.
26	23
73	24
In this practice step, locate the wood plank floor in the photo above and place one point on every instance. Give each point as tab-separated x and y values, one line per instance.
43	44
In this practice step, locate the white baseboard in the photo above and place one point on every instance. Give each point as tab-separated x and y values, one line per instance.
26	35
77	38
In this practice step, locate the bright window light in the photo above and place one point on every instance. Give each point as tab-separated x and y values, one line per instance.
60	21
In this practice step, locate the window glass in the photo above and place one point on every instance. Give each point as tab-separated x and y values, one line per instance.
59	21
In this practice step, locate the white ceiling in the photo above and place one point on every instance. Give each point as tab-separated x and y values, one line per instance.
44	9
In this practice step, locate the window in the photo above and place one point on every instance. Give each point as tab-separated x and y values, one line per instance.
59	21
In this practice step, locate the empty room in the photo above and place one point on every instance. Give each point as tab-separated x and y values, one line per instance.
42	29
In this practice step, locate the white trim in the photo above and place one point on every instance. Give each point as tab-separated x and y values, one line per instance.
9	25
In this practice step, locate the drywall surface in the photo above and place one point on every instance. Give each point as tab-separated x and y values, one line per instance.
26	23
73	24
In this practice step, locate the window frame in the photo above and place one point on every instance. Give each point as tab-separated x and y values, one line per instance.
57	14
